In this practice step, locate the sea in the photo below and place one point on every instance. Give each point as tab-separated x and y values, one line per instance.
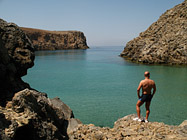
101	87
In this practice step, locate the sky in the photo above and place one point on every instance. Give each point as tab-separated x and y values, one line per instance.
103	22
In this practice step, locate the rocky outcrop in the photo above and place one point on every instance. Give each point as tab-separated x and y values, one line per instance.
56	40
126	128
32	116
164	42
16	56
27	114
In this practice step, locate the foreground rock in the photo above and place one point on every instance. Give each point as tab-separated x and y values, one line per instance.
32	116
126	128
16	56
27	114
56	40
164	42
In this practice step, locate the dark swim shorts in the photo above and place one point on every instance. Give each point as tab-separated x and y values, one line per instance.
146	97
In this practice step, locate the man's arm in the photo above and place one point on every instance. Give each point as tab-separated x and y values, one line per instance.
154	89
138	89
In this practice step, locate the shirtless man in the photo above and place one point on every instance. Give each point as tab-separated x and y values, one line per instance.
147	85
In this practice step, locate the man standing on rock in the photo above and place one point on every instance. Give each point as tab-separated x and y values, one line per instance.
147	85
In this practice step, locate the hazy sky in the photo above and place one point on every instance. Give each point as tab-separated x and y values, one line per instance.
104	22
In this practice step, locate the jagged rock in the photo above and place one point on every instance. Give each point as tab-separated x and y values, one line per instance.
31	115
164	42
183	124
56	40
16	56
73	124
60	105
126	128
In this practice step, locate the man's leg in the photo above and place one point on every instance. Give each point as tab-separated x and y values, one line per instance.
139	103
147	105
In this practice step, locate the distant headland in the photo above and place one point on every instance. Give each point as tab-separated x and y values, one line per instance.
56	40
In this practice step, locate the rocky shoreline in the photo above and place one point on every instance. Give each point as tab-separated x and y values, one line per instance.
164	42
56	40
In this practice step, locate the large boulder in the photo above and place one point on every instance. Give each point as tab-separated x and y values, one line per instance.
16	56
32	116
164	42
60	105
56	40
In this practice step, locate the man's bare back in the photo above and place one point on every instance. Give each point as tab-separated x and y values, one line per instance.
147	85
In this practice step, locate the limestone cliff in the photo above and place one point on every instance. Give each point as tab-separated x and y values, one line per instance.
16	56
164	42
56	40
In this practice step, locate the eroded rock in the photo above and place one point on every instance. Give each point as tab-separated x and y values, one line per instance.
16	56
31	115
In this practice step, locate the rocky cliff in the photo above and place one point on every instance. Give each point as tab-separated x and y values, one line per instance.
164	42
16	56
56	40
25	113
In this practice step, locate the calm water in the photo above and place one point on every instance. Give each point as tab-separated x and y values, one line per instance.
100	86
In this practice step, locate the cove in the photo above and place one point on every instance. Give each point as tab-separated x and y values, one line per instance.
100	86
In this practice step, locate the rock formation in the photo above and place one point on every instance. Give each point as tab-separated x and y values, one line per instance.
164	42
27	114
16	56
56	40
126	128
32	116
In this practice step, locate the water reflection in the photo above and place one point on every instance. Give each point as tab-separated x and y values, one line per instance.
62	54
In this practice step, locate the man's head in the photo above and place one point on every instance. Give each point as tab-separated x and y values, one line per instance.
147	74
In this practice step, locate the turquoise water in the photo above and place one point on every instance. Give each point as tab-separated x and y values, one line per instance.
100	86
